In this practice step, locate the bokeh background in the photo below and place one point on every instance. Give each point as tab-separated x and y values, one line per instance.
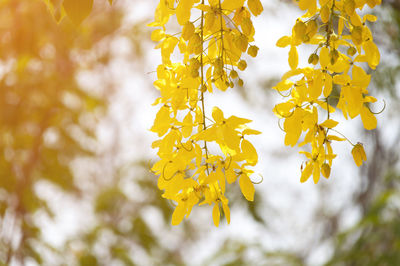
75	151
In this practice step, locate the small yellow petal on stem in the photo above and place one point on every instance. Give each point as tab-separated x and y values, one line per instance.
326	170
247	187
329	123
178	214
227	212
306	172
255	7
358	154
216	215
293	57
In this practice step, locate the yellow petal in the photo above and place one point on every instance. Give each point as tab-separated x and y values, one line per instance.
183	11
325	13
284	41
327	85
167	47
247	26
231	138
255	7
336	138
216	215
369	17
316	172
372	54
373	3
178	214
253	50
221	179
306	172
249	152
356	35
187	125
78	10
368	118
157	35
355	20
227	212
324	57
203	7
360	78
326	170
284	85
292	127
209	20
241	42
217	114
232	5
234	121
293	57
249	131
307	4
299	31
162	122
284	110
247	187
349	7
329	123
231	176
358	154
341	79
188	30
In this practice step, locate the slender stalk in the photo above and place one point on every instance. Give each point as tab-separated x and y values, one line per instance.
343	136
222	32
202	82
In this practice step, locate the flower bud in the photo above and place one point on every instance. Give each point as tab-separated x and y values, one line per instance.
242	65
351	51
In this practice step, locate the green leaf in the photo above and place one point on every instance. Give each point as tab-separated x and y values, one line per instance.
88	260
78	10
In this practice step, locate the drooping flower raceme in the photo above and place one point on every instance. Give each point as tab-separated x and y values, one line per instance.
213	37
334	79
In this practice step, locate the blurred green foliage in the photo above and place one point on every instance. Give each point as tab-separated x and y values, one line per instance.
375	239
41	105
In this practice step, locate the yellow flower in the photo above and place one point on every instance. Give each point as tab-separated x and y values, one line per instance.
358	154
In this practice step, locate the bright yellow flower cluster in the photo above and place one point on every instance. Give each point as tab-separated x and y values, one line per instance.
342	40
214	35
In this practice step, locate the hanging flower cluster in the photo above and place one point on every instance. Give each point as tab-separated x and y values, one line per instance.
334	80
214	35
